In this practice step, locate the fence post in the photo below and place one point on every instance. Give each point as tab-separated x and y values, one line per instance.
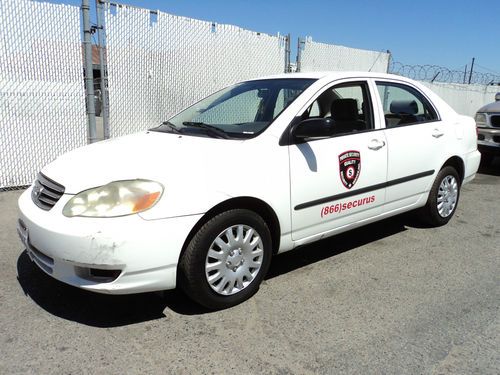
287	54
389	60
471	70
103	69
89	76
299	53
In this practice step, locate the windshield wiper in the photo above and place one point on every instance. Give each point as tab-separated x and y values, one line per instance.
213	130
172	127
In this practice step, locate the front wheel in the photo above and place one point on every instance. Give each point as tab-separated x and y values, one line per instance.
443	198
226	260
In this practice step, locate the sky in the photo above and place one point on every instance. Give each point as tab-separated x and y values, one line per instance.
447	33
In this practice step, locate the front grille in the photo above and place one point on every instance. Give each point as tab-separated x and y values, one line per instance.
495	121
46	192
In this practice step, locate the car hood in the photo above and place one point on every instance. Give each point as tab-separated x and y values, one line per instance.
491	108
149	155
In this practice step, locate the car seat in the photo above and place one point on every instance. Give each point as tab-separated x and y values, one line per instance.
344	112
405	110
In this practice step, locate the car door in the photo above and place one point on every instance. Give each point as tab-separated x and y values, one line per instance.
338	179
416	140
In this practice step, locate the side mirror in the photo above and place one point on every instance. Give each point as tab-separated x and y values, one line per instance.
313	128
497	97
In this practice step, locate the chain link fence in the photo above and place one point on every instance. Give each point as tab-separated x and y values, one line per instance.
42	105
159	63
314	56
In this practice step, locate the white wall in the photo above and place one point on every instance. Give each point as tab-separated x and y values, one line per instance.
465	99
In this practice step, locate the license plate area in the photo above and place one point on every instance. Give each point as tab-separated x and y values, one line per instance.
43	261
22	231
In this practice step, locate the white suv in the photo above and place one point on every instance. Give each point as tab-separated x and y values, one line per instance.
204	200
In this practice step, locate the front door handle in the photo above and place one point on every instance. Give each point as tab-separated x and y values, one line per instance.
437	133
376	144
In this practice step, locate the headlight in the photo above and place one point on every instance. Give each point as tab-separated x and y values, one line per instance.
117	198
480	119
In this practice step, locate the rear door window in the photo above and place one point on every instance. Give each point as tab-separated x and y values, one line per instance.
404	105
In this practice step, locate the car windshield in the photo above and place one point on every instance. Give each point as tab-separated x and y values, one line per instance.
240	111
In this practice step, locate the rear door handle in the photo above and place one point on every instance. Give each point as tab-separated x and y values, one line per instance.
376	144
437	133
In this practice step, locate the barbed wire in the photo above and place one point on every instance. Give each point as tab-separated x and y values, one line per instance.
435	73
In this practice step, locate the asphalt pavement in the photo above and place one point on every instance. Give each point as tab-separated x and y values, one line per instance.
390	298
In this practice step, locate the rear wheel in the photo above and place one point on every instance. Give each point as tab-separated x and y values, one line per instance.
226	260
443	198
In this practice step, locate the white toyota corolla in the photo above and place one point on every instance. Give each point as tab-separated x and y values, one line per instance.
204	200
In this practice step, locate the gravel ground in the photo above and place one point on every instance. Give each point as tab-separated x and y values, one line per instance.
392	298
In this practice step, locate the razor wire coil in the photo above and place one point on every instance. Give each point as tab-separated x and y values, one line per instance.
435	73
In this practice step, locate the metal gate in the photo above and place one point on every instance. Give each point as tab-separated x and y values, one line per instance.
42	107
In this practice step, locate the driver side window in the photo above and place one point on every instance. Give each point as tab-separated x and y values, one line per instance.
347	106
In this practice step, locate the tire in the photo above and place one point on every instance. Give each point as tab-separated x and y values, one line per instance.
226	260
443	198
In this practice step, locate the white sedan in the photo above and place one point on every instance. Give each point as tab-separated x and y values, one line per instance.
204	200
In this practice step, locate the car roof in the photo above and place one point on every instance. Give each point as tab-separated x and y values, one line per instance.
333	75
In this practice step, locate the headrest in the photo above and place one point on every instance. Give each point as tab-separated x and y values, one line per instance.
408	107
344	110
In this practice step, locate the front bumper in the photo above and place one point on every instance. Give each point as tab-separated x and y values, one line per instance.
489	140
119	255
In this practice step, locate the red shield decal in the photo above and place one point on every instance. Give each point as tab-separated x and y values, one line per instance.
349	167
